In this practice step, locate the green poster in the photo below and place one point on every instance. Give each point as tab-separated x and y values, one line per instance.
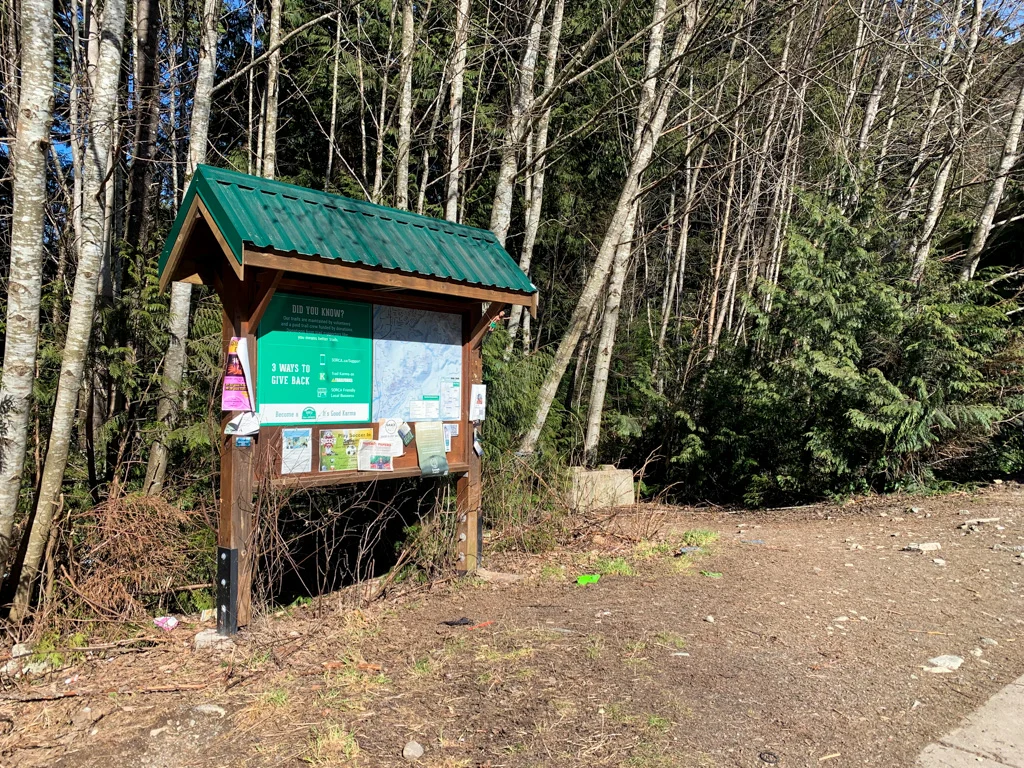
314	361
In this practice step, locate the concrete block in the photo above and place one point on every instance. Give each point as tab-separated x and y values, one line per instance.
601	488
940	756
995	731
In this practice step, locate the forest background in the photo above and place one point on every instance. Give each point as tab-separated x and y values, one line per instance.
776	245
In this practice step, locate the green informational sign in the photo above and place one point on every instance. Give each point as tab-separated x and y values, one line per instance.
314	361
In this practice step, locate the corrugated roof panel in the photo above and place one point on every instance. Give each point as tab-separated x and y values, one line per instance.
291	219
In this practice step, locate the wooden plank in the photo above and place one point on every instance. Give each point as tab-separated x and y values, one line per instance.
267	284
468	488
480	330
374	295
185	245
406	465
167	276
338	270
347	478
237	478
239	269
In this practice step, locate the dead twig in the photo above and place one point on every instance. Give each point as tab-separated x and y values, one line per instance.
106	692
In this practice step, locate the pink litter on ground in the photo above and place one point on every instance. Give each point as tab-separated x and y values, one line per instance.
166	623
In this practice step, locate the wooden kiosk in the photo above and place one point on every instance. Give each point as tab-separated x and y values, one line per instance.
367	313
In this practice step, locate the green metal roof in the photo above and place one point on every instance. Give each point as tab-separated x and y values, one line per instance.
249	210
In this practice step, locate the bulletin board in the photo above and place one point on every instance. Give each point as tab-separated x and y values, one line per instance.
331	373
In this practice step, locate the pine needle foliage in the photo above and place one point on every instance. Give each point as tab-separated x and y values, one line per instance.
856	381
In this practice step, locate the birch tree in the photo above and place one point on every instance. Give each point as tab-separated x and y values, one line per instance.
922	247
24	283
1007	161
181	293
102	116
451	198
537	171
621	217
501	211
268	164
405	107
613	297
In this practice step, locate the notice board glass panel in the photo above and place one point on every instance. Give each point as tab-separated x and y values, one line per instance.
329	361
417	364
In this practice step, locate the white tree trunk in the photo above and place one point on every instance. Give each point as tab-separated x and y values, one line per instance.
937	199
331	147
102	117
501	211
181	293
24	283
382	117
855	74
921	159
451	199
639	161
1006	163
405	108
871	108
606	341
539	147
269	165
170	386
199	129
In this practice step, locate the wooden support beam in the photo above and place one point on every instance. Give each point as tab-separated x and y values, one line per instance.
184	235
468	488
237	482
357	273
476	337
266	286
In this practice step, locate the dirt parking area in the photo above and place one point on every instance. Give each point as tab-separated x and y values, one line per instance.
797	637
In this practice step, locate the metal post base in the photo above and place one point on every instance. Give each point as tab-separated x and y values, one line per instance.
227	591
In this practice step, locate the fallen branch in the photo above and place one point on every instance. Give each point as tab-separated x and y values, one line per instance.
106	692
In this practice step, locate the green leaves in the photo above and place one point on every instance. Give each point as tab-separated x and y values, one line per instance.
858	380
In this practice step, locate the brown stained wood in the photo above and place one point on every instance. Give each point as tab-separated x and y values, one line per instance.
406	465
476	336
267	284
333	269
182	264
346	478
238	269
385	296
237	479
469	494
179	244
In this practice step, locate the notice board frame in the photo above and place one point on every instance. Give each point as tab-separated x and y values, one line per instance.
406	466
243	309
199	254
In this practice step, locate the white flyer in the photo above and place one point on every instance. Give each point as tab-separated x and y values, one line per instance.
425	409
387	432
374	456
245	423
451	398
450	431
296	451
478	402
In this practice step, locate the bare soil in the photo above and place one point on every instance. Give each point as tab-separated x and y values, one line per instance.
821	630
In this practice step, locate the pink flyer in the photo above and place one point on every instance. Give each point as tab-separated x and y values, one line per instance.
235	394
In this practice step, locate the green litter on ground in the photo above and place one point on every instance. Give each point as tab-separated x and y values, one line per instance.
588	578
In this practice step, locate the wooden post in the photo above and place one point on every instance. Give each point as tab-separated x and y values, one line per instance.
234	530
468	497
244	304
